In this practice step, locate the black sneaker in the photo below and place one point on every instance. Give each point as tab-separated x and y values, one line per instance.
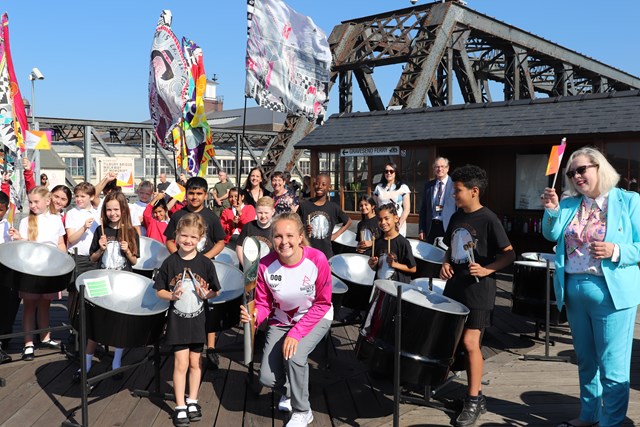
4	357
180	420
194	412
212	358
470	413
483	404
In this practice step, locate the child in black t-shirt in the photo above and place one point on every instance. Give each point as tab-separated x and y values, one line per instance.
392	256
368	229
319	215
478	247
187	279
260	228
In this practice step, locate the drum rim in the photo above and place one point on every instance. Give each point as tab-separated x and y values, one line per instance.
333	287
97	300
151	242
9	261
354	256
438	250
535	264
219	265
407	287
350	235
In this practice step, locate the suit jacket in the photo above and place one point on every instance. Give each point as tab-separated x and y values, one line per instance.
428	205
623	229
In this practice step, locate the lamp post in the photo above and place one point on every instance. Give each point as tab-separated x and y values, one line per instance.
33	76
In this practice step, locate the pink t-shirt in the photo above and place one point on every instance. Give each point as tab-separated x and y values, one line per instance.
294	295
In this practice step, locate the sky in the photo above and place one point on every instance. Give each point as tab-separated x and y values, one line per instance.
95	54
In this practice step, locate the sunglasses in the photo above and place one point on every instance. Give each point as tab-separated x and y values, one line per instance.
389	171
579	170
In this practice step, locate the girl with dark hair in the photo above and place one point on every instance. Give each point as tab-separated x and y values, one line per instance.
368	229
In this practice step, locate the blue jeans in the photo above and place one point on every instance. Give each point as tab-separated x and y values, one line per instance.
602	338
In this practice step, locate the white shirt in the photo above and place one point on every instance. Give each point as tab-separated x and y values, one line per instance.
50	228
137	209
4	231
75	220
438	215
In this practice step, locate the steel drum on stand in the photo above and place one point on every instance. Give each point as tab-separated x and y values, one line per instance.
228	256
354	271
338	291
223	311
436	285
432	325
129	314
345	243
35	267
529	292
429	258
152	255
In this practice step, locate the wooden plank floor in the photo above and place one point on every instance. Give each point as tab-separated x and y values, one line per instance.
535	393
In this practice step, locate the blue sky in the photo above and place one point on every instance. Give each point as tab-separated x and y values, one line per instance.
94	54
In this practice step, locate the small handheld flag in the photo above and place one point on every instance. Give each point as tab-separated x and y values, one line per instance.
555	158
176	191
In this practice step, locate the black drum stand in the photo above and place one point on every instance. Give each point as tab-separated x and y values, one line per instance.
546	357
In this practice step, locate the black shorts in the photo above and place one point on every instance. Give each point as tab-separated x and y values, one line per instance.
478	319
193	347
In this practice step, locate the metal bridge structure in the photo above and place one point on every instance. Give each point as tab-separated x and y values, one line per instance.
440	45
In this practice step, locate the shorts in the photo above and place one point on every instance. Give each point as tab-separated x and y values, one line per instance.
479	319
193	347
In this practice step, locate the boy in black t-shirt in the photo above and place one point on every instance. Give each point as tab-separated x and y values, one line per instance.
259	228
319	215
478	247
210	245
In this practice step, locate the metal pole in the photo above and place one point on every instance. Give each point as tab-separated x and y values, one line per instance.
144	159
35	126
87	153
396	358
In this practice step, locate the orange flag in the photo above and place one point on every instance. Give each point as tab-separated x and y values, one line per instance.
555	158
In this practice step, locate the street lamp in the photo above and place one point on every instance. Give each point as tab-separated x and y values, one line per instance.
36	74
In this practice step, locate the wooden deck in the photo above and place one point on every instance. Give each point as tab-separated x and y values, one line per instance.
535	393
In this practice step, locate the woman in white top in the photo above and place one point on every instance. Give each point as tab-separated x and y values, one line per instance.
44	227
392	190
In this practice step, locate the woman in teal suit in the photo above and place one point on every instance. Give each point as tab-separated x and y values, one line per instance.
597	277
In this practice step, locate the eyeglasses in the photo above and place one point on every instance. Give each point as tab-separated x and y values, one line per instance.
579	170
389	171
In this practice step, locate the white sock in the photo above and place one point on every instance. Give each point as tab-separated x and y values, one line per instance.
117	358
191	400
88	359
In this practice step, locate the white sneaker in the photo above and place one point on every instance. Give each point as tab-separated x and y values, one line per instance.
285	404
300	419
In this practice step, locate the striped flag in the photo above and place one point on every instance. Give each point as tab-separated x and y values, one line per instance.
555	158
288	60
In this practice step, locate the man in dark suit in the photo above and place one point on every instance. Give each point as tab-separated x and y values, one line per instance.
437	203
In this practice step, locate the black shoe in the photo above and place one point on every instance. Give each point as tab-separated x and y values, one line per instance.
4	357
470	413
55	345
182	421
28	353
483	404
194	412
212	358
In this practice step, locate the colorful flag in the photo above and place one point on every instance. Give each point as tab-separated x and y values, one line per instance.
555	158
12	213
124	179
288	60
168	81
13	119
38	140
197	134
176	191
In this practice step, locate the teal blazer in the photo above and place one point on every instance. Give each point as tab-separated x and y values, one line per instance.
623	229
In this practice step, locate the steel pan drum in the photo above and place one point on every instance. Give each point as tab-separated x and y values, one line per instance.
538	256
354	271
432	325
422	283
34	267
223	311
152	255
132	315
529	291
345	243
228	256
338	290
428	258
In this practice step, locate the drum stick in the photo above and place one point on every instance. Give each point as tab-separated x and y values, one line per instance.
373	247
362	235
389	246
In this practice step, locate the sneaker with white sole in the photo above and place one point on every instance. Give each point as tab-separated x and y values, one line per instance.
300	419
285	404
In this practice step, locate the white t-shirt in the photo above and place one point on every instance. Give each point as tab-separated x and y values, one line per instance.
4	231
137	209
75	220
50	228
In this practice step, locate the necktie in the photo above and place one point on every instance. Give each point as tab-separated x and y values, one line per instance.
439	193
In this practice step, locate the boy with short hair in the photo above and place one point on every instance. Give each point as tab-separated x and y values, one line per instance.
9	299
478	247
260	228
210	246
320	215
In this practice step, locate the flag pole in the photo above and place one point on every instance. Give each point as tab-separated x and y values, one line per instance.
244	126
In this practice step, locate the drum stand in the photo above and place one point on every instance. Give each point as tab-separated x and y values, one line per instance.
547	343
